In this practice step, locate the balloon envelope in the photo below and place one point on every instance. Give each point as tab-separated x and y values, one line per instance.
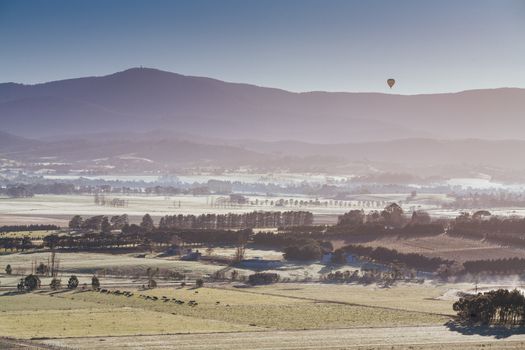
391	82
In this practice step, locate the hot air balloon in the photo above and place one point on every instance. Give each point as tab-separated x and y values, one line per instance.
391	82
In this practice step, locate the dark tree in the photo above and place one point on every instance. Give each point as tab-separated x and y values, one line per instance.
105	226
55	284
8	269
95	283
31	282
73	282
147	223
76	222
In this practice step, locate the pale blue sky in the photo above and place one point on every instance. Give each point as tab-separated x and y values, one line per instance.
299	45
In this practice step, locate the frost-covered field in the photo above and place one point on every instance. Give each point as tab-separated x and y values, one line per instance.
58	208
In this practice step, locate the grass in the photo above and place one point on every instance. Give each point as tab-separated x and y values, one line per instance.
409	297
36	316
270	312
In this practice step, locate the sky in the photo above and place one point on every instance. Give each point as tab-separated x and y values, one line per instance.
298	45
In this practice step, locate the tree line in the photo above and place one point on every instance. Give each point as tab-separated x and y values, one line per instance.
495	266
500	306
255	219
388	256
18	228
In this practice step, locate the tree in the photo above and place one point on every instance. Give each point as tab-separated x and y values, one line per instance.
393	215
352	218
105	226
147	223
42	269
76	222
93	223
8	269
420	217
73	282
55	284
31	282
199	283
152	273
119	221
95	283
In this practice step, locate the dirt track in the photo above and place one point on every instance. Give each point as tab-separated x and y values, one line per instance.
434	337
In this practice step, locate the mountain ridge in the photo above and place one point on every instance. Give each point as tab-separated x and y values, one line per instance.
142	99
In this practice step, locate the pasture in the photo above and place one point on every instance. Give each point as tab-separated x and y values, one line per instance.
447	247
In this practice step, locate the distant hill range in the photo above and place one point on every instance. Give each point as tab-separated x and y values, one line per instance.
141	99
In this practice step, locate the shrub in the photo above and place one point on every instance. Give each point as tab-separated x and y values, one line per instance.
309	251
263	278
31	282
8	269
95	283
199	283
73	282
55	284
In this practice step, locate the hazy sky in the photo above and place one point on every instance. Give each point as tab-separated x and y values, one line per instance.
299	45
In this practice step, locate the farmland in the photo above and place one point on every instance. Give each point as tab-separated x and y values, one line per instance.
447	247
217	310
59	209
305	316
390	338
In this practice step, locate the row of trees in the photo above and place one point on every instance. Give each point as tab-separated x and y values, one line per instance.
238	221
100	223
32	282
500	306
495	266
18	228
392	216
16	243
482	225
392	256
487	200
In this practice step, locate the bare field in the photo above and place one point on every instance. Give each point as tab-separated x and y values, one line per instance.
415	338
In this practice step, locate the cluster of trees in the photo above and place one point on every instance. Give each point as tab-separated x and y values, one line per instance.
392	217
495	266
18	228
99	223
500	306
392	256
263	278
487	200
237	221
295	246
307	249
100	199
91	240
482	225
18	191
16	243
130	238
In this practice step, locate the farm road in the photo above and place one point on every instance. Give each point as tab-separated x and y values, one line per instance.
432	337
